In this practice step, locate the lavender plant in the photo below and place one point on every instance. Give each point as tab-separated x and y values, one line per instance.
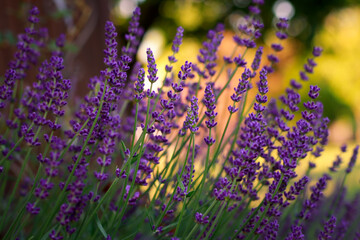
137	163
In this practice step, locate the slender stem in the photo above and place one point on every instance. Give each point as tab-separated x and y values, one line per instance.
139	143
175	188
217	152
113	184
163	176
69	178
241	117
15	188
193	230
135	125
338	196
191	174
206	169
211	217
21	212
216	219
265	211
13	148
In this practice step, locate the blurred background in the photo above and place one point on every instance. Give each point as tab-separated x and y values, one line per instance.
332	24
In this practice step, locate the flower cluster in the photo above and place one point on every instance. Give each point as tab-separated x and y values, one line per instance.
121	163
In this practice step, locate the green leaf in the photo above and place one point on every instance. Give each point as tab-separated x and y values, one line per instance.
135	159
130	236
180	183
151	221
123	145
190	194
157	173
101	228
122	149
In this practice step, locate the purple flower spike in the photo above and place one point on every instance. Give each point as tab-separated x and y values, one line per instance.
152	70
175	48
317	51
295	190
26	54
314	91
33	18
263	89
283	23
209	102
201	219
272	230
336	164
256	63
281	35
177	40
329	228
134	35
242	87
208	53
296	233
277	47
139	85
192	116
317	193
343	148
239	61
54	235
115	78
30	207
353	159
185	71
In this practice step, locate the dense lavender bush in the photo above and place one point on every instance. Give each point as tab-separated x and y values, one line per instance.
131	162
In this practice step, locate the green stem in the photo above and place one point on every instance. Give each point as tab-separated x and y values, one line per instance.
210	218
217	152
22	209
15	188
266	209
241	117
135	125
96	208
13	148
175	188
206	169
69	178
164	171
218	216
191	173
338	196
193	230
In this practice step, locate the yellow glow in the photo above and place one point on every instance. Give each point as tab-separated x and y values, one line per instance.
340	64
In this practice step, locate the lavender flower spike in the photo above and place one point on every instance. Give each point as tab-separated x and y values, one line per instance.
175	48
328	229
139	85
209	102
353	159
192	116
177	40
256	63
134	35
152	70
